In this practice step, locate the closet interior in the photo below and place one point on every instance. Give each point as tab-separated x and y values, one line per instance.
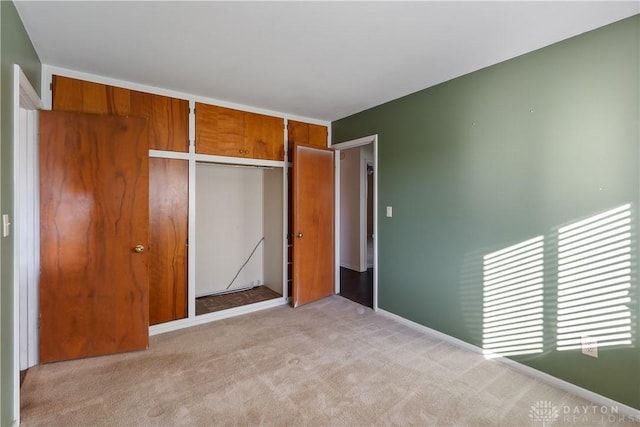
219	197
239	237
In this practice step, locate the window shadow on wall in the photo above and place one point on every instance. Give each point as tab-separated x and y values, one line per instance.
578	278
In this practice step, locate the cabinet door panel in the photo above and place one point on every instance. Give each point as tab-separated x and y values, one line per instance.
168	120
306	133
80	96
67	94
264	137
318	135
168	227
219	131
298	132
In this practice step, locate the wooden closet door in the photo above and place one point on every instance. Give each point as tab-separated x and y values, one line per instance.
168	232
94	214
313	224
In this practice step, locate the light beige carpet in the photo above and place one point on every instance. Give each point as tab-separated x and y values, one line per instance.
330	363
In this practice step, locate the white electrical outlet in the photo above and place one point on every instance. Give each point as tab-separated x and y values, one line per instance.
589	346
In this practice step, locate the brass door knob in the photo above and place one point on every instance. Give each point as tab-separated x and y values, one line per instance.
299	235
138	249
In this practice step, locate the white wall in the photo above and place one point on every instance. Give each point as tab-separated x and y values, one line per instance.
229	223
350	208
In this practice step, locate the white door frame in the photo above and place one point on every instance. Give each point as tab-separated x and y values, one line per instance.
26	218
371	139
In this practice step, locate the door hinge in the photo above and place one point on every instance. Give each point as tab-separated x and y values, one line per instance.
51	86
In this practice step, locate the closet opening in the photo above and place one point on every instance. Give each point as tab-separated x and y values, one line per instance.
239	235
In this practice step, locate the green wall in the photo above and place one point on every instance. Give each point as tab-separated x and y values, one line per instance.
499	156
15	48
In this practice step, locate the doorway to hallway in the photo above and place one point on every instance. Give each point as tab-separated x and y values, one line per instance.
356	213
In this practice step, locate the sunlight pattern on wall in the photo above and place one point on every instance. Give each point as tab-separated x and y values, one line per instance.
594	280
512	300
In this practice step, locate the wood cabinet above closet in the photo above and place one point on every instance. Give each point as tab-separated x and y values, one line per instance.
227	132
306	133
168	118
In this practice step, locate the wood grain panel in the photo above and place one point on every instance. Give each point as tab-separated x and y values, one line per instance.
306	133
81	96
318	135
168	120
298	132
219	131
94	193
67	94
313	224
168	232
264	136
102	99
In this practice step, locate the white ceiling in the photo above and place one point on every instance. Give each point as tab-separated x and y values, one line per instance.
322	60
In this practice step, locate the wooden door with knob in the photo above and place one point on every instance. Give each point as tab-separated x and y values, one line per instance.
94	211
313	223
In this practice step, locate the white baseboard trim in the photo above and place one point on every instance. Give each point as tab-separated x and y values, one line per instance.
596	398
352	267
218	315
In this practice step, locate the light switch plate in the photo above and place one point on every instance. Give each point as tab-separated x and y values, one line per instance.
6	225
389	211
